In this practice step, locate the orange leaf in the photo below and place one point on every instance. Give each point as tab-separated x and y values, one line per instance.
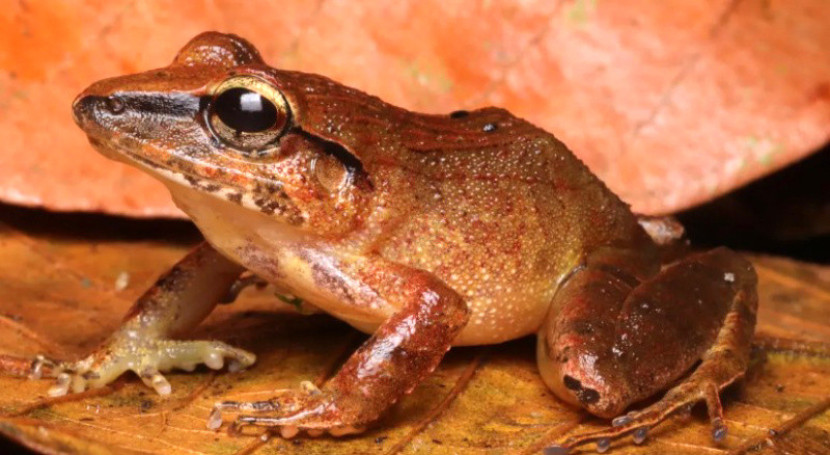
671	103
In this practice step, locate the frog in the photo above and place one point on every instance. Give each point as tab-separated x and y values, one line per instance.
424	231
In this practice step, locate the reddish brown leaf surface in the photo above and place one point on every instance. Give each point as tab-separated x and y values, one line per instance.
62	290
670	102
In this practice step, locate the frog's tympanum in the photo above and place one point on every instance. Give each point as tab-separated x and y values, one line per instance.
425	231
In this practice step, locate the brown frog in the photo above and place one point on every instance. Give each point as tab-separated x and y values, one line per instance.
425	231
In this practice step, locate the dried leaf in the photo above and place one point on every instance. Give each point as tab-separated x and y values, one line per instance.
671	103
62	289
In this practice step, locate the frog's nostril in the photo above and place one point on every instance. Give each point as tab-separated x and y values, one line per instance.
114	105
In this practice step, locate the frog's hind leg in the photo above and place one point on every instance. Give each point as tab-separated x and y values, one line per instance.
611	341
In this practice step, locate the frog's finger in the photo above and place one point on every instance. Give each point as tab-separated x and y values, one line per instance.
185	355
216	353
78	383
152	378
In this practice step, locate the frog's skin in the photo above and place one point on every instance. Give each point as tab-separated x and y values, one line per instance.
425	231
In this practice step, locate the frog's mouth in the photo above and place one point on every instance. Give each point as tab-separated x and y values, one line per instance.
119	149
113	151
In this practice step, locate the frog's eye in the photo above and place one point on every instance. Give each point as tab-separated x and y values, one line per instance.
248	114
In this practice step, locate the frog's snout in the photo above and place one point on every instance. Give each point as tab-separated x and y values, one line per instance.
81	108
87	108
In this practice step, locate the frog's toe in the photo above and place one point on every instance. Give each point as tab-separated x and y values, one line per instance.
154	379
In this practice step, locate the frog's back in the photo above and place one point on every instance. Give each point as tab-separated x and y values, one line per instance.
500	210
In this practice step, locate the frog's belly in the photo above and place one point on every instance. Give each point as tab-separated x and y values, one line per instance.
489	322
494	319
503	306
281	255
507	279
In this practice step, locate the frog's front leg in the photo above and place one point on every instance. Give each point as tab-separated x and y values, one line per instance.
393	361
178	301
611	340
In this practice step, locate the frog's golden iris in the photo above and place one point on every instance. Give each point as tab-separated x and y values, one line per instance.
247	114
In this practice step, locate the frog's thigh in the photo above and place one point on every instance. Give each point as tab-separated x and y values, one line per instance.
610	341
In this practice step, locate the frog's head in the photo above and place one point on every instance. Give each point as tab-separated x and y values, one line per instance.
221	122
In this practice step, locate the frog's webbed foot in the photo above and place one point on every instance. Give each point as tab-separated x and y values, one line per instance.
308	409
148	358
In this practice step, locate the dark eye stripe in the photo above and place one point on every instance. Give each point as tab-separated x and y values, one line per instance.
152	103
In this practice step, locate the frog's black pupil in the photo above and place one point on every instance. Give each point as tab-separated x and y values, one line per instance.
245	110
